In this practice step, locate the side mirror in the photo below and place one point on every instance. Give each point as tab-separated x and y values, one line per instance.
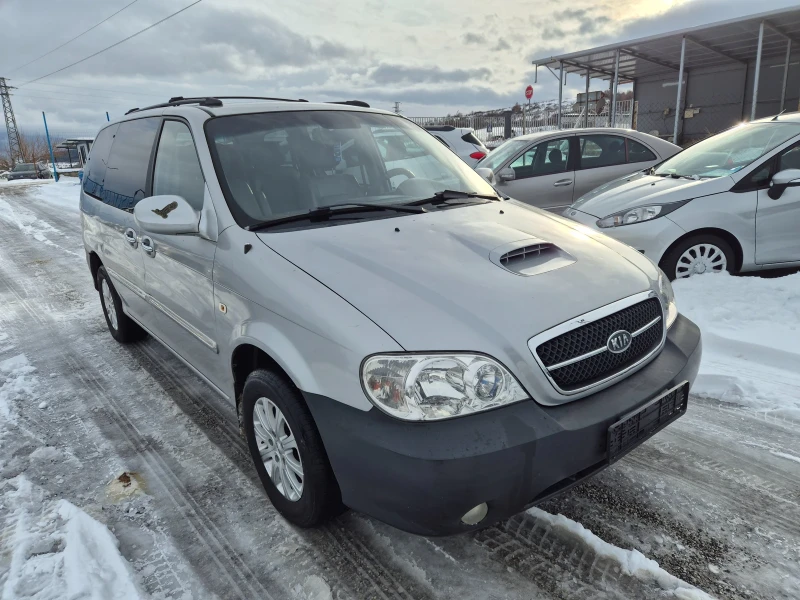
781	180
506	174
166	214
486	173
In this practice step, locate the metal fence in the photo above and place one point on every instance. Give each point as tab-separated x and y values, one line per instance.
493	129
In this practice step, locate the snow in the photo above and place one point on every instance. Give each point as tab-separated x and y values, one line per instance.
16	381
751	340
58	551
632	562
65	193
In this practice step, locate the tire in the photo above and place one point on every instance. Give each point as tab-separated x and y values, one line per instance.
122	327
708	250
319	498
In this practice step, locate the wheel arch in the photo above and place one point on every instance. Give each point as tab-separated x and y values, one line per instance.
722	233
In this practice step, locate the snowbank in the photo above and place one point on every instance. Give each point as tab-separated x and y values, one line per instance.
65	193
632	562
58	551
751	340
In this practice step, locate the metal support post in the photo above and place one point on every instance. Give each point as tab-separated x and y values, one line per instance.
50	147
758	70
614	90
560	91
680	90
586	115
786	73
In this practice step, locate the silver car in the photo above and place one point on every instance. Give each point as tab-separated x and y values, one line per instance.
408	345
551	169
730	202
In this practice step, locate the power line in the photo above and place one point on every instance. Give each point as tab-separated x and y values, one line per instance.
75	38
113	45
107	90
74	100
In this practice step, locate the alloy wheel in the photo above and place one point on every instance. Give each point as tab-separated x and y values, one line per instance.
108	304
278	448
701	258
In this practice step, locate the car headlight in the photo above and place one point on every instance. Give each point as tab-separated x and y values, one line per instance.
429	387
667	298
639	214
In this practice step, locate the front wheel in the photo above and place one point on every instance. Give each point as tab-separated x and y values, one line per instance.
697	255
287	450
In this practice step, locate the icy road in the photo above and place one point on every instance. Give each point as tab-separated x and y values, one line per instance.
123	476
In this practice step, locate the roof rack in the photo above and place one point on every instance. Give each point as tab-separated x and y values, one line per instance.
210	101
360	103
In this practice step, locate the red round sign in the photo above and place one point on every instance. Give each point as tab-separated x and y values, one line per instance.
529	92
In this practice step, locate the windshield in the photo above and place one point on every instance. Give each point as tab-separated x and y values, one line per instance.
277	164
24	167
730	151
503	152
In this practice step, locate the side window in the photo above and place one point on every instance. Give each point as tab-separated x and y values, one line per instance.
177	171
638	152
547	158
95	170
441	140
601	151
126	174
789	159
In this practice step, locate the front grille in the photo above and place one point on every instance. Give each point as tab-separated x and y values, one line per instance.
593	337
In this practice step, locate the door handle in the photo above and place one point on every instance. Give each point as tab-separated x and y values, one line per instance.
148	246
130	237
562	182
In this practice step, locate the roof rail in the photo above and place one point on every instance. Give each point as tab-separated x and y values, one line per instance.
210	101
360	103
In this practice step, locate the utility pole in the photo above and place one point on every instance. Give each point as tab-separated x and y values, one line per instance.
14	145
397	107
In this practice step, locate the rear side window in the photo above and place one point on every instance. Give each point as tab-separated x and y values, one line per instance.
126	175
177	171
601	151
471	138
95	171
639	152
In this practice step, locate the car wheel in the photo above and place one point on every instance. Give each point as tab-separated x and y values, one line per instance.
287	450
697	255
122	327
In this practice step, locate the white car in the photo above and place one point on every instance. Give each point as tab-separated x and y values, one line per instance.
462	141
728	203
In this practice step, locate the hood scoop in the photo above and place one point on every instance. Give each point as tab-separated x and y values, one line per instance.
530	257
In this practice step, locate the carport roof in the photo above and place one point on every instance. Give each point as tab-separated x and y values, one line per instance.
721	43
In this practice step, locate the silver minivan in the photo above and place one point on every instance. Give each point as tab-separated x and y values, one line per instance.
397	340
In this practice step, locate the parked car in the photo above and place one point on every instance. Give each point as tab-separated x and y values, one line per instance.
425	352
4	174
29	171
728	203
553	168
462	141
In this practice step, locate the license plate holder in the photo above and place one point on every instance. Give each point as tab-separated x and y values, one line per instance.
642	423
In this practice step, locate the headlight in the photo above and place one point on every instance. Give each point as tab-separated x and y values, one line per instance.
639	214
428	387
667	298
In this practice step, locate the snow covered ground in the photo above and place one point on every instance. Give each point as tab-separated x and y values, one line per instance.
123	476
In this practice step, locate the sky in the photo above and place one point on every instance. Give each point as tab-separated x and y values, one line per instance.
435	57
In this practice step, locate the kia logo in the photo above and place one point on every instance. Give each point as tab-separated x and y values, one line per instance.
619	341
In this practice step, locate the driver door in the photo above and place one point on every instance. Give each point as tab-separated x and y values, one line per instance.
543	174
778	221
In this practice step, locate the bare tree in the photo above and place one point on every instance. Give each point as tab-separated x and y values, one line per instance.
34	149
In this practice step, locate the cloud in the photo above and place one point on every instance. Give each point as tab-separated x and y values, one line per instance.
392	74
501	45
474	38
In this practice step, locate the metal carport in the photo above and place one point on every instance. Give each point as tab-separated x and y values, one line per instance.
741	46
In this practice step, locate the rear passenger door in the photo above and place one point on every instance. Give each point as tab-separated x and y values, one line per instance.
603	157
178	268
115	180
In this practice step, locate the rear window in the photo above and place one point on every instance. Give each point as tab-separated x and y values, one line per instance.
95	171
126	178
471	138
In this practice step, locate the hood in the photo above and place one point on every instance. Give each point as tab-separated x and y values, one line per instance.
641	189
435	281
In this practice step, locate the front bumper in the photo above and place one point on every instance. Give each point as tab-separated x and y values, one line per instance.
422	477
651	238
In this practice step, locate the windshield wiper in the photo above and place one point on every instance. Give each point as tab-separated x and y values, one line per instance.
676	176
323	213
445	195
